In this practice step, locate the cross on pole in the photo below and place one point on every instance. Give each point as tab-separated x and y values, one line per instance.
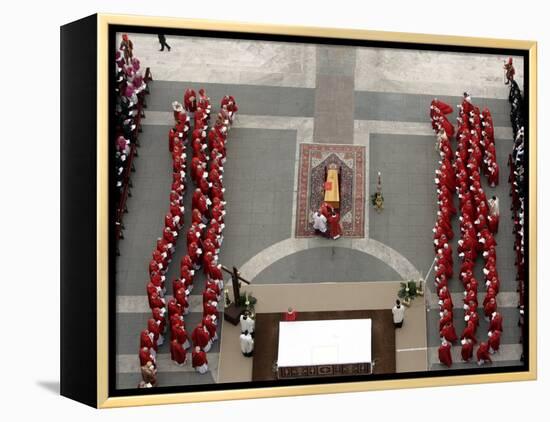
235	281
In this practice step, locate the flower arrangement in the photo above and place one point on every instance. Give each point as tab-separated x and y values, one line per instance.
247	301
408	291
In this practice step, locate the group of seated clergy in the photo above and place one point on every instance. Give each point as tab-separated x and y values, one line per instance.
518	187
478	224
130	89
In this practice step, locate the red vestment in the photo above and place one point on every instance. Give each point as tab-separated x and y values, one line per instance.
190	100
155	301
215	272
174	307
208	322
179	334
209	309
494	340
483	352
290	316
496	322
200	336
335	228
145	356
158	315
444	353
181	298
147	341
449	333
177	352
209	294
467	351
470	331
198	358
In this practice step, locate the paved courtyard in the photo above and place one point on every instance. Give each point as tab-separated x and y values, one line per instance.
290	94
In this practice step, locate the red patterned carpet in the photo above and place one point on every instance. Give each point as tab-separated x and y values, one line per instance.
351	160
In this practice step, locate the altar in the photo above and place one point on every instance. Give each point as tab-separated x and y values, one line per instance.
324	348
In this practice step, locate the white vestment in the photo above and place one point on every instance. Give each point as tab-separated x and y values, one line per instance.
247	343
320	222
398	314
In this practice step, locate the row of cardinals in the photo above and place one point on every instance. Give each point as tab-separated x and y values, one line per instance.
443	231
478	224
204	235
517	163
130	99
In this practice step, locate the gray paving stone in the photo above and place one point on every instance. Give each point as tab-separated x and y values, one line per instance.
252	99
399	107
326	264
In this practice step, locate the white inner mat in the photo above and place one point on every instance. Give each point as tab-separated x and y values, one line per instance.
324	342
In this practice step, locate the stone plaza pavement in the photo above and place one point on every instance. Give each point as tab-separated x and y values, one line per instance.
296	93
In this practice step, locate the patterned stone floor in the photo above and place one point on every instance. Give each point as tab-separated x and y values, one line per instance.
290	94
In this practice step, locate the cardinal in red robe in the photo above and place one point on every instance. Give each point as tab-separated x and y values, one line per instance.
209	321
159	314
290	315
174	307
210	308
448	333
177	353
201	337
494	341
155	301
199	360
145	356
444	353
181	298
153	327
215	272
334	226
483	354
190	100
470	331
467	351
147	340
496	322
490	307
180	334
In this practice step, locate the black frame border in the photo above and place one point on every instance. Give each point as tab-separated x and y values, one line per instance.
113	29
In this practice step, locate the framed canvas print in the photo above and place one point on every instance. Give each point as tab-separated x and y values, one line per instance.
258	211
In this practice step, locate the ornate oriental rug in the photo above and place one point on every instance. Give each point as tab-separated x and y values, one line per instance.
351	161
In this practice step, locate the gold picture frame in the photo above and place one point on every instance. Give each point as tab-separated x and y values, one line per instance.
102	300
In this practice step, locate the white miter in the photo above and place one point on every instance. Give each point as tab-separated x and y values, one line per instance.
463	341
466	306
199	251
